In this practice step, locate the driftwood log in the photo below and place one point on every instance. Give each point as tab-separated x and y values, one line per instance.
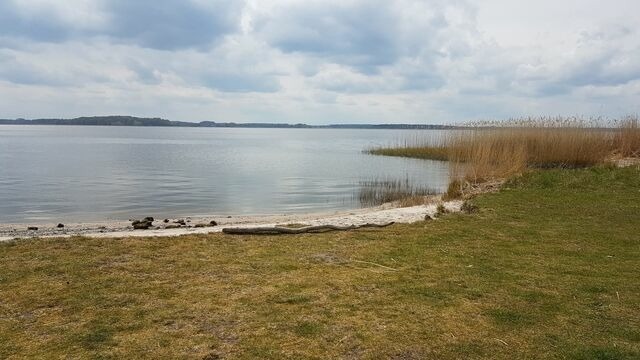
277	230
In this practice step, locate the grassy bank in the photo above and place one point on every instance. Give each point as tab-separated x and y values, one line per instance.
548	268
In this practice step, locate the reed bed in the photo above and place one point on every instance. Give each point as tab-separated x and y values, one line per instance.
481	155
628	137
378	192
425	146
419	152
495	150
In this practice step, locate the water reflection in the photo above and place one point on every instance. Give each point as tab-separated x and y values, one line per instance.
94	173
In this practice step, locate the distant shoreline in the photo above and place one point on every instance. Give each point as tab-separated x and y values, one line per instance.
158	122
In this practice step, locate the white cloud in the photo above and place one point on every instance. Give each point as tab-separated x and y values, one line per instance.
319	61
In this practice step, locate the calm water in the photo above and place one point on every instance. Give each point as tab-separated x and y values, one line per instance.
68	173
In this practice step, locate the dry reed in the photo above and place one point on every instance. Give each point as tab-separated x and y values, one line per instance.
628	137
377	192
500	149
483	154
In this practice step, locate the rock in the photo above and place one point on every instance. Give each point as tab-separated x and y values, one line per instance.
173	227
181	222
32	228
211	223
166	221
143	224
60	226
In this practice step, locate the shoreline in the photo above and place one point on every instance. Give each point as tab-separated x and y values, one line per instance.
116	229
385	213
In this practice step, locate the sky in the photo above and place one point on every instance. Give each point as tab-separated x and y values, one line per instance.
319	62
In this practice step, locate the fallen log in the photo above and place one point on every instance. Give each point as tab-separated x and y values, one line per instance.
277	230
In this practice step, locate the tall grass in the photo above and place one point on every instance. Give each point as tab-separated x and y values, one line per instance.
378	192
628	137
508	148
497	153
493	150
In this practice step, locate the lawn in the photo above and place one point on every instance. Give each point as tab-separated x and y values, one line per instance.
549	267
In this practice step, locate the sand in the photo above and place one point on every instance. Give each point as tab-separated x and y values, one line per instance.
116	229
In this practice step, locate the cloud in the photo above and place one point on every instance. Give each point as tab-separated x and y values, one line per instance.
40	23
363	34
157	24
599	59
41	67
356	33
318	61
171	24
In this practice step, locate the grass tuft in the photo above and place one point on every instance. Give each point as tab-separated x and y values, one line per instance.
469	207
454	190
307	328
378	192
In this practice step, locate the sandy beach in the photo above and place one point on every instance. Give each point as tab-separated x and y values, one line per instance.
376	215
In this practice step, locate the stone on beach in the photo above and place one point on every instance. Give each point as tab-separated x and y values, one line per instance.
143	224
210	224
173	228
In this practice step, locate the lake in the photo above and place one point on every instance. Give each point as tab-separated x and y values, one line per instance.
86	173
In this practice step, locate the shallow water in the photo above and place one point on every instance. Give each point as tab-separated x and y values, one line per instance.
85	173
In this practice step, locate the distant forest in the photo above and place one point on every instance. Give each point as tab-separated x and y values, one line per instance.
137	121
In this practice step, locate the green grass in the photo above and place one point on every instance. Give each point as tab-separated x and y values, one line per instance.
546	268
